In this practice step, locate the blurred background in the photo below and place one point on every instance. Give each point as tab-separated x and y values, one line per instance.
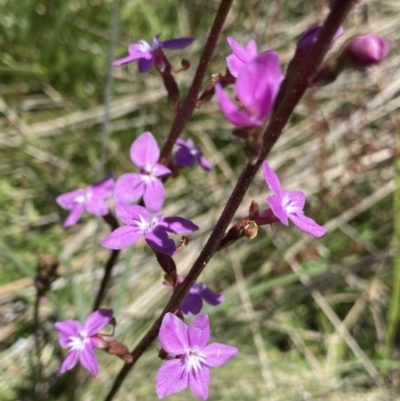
310	316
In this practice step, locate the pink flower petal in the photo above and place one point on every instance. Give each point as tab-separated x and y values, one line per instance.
75	215
236	116
217	354
122	237
88	360
67	329
258	84
144	151
97	320
145	65
272	179
238	49
132	215
128	188
171	378
234	64
159	170
173	335
298	199
199	331
204	163
192	304
67	201
137	50
177	44
69	361
252	51
199	382
307	225
124	60
96	206
277	208
178	225
154	194
104	188
211	297
158	239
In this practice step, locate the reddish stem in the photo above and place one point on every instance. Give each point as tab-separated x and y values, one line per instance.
288	100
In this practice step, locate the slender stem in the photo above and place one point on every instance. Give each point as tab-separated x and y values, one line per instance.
107	273
113	223
271	133
38	348
393	315
186	111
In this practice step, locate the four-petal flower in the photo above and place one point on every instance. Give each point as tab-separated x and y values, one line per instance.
132	186
92	199
192	356
83	339
289	205
139	223
150	54
256	87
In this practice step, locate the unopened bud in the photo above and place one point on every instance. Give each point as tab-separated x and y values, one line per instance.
365	50
119	349
253	210
310	37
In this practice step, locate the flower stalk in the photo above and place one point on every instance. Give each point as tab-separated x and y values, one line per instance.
271	132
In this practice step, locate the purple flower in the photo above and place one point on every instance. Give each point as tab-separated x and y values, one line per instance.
192	357
310	37
92	199
139	223
187	153
241	56
367	50
82	340
256	87
193	302
149	54
289	204
132	186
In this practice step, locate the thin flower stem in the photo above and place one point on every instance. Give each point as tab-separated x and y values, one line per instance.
271	133
186	110
39	393
107	274
113	223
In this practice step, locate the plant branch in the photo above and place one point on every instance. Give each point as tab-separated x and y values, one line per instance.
296	88
186	111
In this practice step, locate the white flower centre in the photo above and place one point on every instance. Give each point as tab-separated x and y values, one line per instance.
144	225
84	197
144	46
289	205
79	342
193	360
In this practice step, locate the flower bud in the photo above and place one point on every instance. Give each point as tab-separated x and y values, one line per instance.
366	50
310	37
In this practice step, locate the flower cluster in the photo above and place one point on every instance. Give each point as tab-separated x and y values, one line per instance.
257	79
